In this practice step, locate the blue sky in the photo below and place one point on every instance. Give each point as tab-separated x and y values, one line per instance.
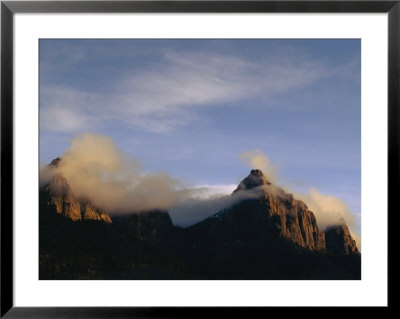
191	107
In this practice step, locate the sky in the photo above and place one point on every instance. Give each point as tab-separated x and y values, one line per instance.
195	108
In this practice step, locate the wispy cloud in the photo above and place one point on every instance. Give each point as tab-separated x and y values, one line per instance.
257	159
169	94
65	109
210	191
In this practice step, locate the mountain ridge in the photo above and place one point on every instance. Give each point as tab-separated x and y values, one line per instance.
274	212
270	222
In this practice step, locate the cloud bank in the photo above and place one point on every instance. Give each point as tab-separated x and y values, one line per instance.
98	171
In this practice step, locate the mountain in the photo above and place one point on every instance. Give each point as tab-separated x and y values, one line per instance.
57	196
267	234
272	214
339	240
255	179
154	227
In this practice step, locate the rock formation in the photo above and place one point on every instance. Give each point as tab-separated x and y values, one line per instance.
266	213
339	240
267	234
57	196
256	178
272	214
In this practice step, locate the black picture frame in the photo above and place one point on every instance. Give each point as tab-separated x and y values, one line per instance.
9	8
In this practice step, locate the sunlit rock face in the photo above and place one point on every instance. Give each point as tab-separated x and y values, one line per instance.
339	240
271	215
57	196
60	197
292	220
105	217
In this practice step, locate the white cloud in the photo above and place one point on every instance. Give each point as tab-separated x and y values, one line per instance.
210	191
66	109
61	119
111	179
257	159
168	95
329	210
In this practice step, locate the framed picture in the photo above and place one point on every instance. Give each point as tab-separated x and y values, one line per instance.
163	155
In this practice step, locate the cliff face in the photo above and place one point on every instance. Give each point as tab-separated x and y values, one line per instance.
273	214
339	241
292	220
58	196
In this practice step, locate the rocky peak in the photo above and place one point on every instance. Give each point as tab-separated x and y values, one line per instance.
57	197
339	240
254	179
274	214
256	172
56	161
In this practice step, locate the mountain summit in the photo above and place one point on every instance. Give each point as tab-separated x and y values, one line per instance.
254	179
269	214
